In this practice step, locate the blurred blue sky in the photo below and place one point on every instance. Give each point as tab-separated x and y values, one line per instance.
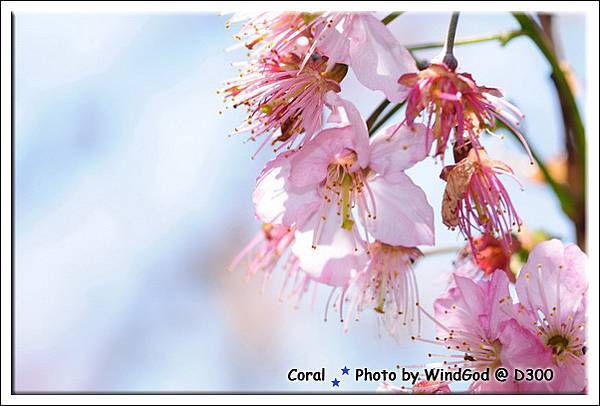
131	201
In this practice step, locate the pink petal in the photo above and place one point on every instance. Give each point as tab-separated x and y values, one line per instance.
397	148
553	280
276	200
310	164
523	349
377	59
334	45
344	113
403	215
335	260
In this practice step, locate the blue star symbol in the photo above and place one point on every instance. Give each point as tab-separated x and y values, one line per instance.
345	371
335	382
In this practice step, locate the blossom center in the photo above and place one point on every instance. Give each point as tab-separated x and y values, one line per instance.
558	343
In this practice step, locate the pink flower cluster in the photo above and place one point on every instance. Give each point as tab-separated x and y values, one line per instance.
338	209
540	326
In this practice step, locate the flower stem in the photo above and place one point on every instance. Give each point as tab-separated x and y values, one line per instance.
503	38
391	17
449	58
385	118
440	250
376	113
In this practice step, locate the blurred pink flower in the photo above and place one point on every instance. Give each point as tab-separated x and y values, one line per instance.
265	251
552	289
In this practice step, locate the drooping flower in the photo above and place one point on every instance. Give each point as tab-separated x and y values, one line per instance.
475	198
476	320
284	97
552	290
450	102
387	285
340	172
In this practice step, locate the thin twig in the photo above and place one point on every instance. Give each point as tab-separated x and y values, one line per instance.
440	250
503	38
385	118
391	17
376	113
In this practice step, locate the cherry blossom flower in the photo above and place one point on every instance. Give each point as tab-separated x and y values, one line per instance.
341	172
552	290
387	285
476	319
450	101
284	97
374	276
475	198
341	179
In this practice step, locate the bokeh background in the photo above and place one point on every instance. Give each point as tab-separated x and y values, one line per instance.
130	201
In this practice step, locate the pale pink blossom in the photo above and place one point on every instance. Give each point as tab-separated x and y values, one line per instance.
340	178
387	285
375	276
552	289
334	263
